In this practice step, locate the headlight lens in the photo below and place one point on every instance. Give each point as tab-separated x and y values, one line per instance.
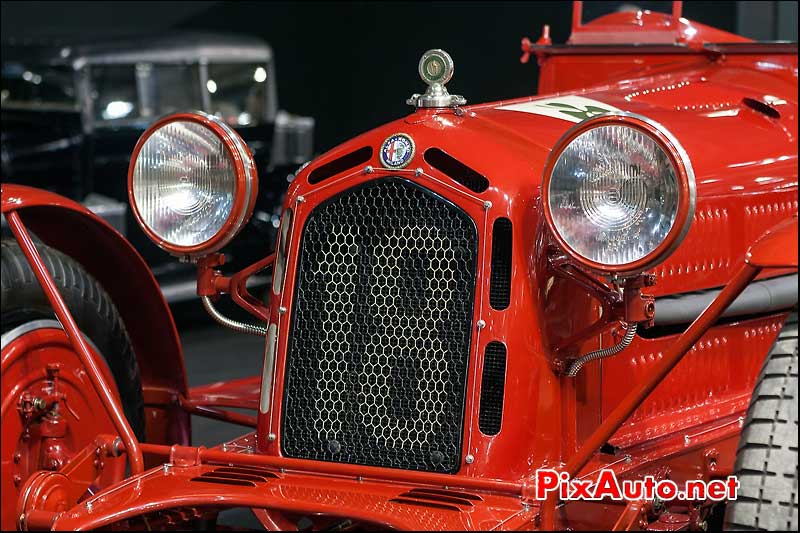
192	184
616	197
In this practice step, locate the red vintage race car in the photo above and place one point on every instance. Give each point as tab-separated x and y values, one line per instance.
568	311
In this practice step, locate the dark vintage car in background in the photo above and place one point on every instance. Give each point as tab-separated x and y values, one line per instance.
72	112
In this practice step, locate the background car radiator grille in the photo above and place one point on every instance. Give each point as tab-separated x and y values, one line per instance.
381	329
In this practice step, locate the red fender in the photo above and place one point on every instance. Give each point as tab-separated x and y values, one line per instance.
74	230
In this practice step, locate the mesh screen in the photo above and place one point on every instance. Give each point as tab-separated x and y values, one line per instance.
381	329
500	286
493	387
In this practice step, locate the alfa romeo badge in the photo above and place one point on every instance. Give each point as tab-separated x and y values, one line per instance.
397	151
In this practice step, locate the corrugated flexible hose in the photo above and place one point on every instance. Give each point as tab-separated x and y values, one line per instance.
235	325
577	364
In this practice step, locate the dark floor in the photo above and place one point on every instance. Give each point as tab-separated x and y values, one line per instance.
214	353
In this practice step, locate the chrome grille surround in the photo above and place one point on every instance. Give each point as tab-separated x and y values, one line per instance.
381	329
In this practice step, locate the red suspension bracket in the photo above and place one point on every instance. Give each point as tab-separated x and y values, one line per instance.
211	282
621	301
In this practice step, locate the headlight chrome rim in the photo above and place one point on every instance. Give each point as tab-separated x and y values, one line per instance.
245	186
687	189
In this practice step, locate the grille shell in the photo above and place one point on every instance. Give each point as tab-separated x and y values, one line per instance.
381	330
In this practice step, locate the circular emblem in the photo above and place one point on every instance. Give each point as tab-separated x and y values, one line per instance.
397	151
436	66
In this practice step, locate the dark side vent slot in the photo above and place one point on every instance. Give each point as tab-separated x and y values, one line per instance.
456	170
337	166
421	503
223	481
437	493
239	476
500	281
438	499
492	388
761	107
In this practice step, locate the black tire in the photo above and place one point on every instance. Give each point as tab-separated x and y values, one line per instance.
766	461
94	312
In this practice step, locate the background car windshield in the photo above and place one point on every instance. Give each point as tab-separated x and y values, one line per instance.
238	92
31	85
164	99
114	92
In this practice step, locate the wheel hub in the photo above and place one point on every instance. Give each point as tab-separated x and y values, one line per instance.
49	411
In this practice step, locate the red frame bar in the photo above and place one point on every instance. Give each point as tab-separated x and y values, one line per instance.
200	409
203	455
635	397
102	388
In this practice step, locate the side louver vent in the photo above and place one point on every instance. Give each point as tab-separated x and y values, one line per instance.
492	388
448	500
236	475
456	170
339	165
500	281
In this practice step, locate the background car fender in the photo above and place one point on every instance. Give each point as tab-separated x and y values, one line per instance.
123	273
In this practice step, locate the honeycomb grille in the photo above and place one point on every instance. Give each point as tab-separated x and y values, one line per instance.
381	330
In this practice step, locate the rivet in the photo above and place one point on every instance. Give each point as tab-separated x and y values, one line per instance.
418	172
481	324
301	199
686	439
368	169
469	459
627	458
487	204
282	310
166	468
224	447
17	480
88	506
741	421
271	437
17	457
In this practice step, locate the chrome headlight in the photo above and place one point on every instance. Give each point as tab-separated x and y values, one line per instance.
619	193
192	183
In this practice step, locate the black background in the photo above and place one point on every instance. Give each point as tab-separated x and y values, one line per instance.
351	65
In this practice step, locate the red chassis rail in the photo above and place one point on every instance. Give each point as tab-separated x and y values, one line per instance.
777	249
